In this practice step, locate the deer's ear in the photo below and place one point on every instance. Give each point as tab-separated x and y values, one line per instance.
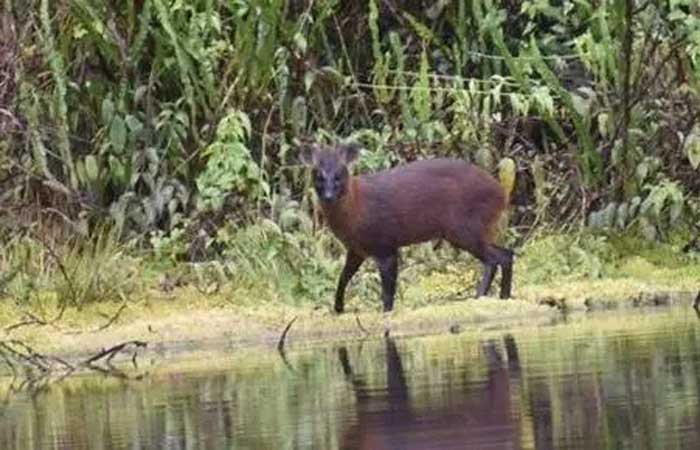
349	152
308	153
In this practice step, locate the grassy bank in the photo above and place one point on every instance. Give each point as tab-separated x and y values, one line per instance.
89	300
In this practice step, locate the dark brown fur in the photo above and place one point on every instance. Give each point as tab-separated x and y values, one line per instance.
376	214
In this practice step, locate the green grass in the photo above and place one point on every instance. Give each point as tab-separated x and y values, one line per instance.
268	275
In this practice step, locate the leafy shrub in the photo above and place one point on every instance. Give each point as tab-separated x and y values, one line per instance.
230	167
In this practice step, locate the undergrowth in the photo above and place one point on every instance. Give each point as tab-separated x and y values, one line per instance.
289	261
39	274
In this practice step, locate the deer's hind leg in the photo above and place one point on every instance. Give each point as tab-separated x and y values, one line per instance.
492	257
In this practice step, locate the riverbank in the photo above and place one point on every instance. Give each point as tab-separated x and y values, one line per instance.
554	276
185	320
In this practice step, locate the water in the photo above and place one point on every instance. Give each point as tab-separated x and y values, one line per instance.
628	381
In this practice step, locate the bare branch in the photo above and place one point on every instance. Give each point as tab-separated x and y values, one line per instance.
113	319
280	344
113	351
283	337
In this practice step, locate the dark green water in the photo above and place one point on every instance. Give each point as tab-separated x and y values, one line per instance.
627	381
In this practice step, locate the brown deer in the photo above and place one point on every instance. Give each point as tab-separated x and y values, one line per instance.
374	215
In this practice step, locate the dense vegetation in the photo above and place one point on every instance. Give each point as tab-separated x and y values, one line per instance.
167	130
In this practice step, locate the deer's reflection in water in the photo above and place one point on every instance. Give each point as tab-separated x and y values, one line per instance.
477	415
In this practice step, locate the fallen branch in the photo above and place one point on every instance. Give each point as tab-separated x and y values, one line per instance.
112	352
32	320
113	319
23	353
40	370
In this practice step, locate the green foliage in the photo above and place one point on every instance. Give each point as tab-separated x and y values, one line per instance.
552	259
422	101
167	247
665	196
563	257
692	147
58	71
99	269
590	158
153	114
381	61
656	211
378	154
284	255
230	167
683	15
170	69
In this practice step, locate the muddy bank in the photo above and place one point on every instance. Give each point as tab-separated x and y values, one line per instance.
187	322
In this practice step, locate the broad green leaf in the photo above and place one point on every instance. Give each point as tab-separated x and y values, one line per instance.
692	149
133	123
647	229
80	171
622	216
634	206
107	110
309	78
677	15
117	134
609	215
300	43
604	124
675	211
595	219
91	169
117	170
642	171
581	104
